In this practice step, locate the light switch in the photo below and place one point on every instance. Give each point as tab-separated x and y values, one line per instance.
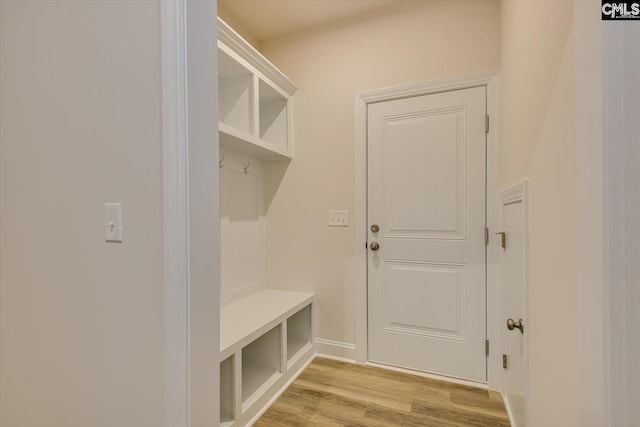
339	218
113	222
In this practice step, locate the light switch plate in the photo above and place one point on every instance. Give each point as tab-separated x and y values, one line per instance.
113	222
339	218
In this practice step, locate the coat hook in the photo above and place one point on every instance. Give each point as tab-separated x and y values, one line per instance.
246	168
220	165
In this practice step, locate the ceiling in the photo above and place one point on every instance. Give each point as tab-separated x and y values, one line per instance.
268	19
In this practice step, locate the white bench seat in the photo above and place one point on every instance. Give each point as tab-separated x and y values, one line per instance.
266	339
244	320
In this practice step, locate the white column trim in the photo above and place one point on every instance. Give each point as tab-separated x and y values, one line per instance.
175	213
489	79
175	202
616	326
204	213
360	226
191	213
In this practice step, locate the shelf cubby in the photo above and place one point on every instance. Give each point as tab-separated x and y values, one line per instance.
273	116
235	84
261	365
226	391
298	333
254	99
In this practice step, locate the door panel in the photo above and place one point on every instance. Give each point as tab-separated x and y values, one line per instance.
425	299
437	162
426	192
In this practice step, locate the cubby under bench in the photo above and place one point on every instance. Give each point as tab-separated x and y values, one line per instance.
266	339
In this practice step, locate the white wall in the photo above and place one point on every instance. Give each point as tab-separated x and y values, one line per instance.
538	141
622	107
551	119
242	225
632	213
615	232
590	350
411	43
81	320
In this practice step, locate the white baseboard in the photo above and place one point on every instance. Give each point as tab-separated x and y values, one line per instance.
507	406
336	350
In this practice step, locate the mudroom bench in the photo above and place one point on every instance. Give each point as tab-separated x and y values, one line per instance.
266	339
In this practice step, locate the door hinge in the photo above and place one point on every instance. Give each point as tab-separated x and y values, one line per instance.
486	347
486	236
486	123
505	363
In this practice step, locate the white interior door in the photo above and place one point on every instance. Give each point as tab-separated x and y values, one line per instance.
514	297
426	194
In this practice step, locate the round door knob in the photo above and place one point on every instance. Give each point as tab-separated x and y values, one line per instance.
375	228
374	246
511	325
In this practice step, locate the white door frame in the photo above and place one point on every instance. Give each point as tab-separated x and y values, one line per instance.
490	80
191	213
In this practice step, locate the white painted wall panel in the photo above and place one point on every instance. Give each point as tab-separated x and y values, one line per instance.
632	213
81	320
242	225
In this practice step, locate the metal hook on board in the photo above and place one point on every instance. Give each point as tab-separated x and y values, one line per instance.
246	168
220	165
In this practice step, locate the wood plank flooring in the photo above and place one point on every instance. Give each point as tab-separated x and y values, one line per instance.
331	393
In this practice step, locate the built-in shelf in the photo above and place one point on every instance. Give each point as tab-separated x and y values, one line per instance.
252	330
298	333
261	365
245	320
235	139
266	336
235	93
254	99
273	106
226	391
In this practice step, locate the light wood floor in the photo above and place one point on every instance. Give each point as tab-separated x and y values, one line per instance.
331	393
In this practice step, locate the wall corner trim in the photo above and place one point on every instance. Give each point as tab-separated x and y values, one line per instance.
175	213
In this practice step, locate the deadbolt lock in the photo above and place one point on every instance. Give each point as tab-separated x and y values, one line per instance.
375	228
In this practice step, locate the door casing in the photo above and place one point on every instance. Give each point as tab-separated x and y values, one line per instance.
489	79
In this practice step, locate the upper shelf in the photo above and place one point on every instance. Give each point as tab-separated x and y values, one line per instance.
254	99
